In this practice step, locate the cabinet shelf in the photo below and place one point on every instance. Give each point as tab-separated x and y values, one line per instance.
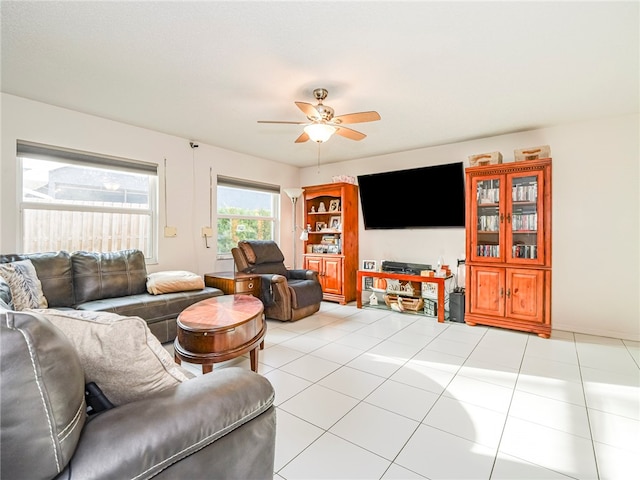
335	212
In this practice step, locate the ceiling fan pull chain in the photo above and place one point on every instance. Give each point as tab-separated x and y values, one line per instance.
319	143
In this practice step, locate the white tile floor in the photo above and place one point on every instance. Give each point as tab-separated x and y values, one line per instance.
374	394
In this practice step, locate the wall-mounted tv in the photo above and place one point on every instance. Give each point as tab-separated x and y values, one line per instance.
426	197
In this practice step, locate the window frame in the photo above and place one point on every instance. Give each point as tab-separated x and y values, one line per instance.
79	158
241	184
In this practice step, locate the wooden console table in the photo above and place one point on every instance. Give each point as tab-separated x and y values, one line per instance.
440	281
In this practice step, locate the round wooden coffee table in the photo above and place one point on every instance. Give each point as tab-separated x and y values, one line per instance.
219	329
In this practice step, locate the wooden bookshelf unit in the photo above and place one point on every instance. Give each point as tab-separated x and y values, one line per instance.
509	246
331	215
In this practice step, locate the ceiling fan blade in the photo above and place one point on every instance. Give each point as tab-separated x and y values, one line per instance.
277	121
302	138
349	133
308	109
359	117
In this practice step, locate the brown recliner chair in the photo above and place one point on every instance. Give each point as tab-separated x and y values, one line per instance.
287	294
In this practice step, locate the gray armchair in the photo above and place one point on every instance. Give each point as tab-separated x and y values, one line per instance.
287	294
220	425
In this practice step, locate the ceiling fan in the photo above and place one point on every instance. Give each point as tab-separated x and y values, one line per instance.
322	124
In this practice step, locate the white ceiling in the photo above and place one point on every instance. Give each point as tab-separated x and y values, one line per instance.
437	72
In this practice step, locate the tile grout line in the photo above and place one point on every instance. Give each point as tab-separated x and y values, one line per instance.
586	407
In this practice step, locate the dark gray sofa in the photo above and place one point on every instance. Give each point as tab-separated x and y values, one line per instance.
110	282
220	425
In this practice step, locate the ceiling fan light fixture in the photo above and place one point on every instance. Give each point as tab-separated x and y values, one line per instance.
320	132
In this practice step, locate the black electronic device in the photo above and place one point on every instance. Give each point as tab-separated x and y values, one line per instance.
456	307
426	197
403	267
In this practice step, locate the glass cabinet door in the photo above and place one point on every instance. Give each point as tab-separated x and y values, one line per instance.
488	218
524	219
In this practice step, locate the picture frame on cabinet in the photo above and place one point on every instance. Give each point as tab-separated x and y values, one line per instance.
321	226
333	248
370	265
334	222
334	205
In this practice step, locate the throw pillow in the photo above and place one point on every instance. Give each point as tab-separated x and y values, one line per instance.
26	289
173	281
119	354
6	302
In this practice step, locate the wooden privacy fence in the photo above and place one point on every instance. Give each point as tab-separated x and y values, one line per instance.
53	230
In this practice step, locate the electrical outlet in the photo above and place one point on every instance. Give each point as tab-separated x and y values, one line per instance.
170	232
207	232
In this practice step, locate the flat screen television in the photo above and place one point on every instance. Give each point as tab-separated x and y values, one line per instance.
426	197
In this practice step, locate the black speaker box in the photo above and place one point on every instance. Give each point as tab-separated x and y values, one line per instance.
456	307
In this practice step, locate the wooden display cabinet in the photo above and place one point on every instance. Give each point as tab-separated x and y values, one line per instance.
331	216
508	229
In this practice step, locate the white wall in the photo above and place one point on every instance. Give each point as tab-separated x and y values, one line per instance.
187	176
595	218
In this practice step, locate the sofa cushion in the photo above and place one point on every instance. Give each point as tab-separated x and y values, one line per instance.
42	397
54	272
118	353
173	281
305	293
26	289
98	275
153	308
261	251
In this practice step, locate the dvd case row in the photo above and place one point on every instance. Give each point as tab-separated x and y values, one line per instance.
524	251
524	192
526	221
488	250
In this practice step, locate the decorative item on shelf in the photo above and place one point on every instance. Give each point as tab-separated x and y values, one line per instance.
407	289
379	285
334	205
444	271
430	290
490	158
393	286
533	153
320	226
313	209
334	223
373	299
322	208
344	179
430	308
371	265
400	304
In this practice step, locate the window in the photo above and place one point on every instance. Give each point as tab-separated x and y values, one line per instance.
74	200
246	211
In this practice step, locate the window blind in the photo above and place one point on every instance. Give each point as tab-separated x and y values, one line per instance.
48	152
248	184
